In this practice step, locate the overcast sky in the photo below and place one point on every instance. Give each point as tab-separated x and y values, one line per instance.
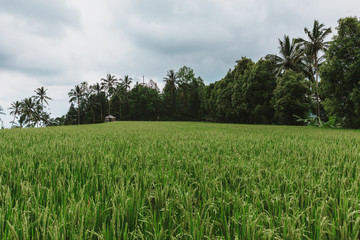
60	43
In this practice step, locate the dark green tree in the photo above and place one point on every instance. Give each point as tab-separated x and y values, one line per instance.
145	103
189	91
257	89
71	117
340	74
170	93
290	98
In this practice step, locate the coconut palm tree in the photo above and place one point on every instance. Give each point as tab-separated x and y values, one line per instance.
92	104
126	85
76	95
109	84
291	56
126	82
171	82
120	94
15	110
41	96
313	46
29	112
98	89
170	89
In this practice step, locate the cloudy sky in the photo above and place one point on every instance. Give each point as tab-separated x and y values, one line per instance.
60	43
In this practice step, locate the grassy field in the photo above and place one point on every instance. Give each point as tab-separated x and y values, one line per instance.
165	180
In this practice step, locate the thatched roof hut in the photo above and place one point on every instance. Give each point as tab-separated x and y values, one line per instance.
110	118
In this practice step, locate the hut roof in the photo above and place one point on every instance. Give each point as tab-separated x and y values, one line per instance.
110	117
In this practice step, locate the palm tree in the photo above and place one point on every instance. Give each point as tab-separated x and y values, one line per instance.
15	110
98	89
171	81
291	56
313	46
171	87
41	96
76	94
119	93
29	113
126	82
93	104
109	83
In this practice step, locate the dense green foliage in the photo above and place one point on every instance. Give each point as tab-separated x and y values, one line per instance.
340	74
159	180
290	97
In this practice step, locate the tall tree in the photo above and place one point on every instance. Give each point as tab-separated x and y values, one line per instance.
314	46
126	84
41	96
170	92
109	84
120	95
189	88
98	90
340	74
15	110
92	104
171	82
76	95
29	112
291	56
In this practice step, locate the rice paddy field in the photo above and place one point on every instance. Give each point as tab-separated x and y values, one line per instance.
179	180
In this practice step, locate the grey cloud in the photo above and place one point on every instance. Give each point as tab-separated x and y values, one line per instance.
12	61
46	17
54	43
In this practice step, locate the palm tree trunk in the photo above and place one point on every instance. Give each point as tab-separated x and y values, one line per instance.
119	109
78	112
101	112
317	88
92	110
109	107
12	124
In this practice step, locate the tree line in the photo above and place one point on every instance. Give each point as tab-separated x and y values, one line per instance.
179	100
31	111
278	89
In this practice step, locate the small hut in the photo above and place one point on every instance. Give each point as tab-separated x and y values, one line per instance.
110	118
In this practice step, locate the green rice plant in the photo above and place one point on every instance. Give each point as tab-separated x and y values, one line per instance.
179	180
